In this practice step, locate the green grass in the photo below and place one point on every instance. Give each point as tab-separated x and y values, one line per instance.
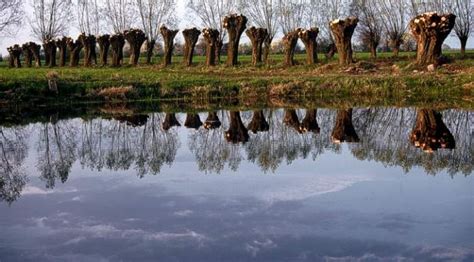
326	81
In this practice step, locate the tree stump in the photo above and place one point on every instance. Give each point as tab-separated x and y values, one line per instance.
235	25
117	42
237	132
104	46
35	50
191	36
211	36
258	123
89	44
150	47
135	38
430	30
257	36
50	52
342	31
61	44
27	55
291	119
212	121
310	123
308	37
290	41
344	129
170	121
168	38
15	56
75	48
193	121
430	133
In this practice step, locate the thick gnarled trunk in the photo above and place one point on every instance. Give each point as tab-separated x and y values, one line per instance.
168	38
135	38
193	121
211	36
257	37
35	51
310	123
430	133
62	46
290	41
170	121
258	123
15	56
344	129
75	48
308	37
430	30
117	43
342	31
104	46
89	45
191	36
50	52
291	119
235	26
150	46
463	41
267	48
237	132
212	121
27	55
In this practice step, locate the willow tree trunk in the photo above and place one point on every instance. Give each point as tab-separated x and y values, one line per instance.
237	132
212	121
211	36
46	54
310	123
290	41
191	36
35	50
235	26
75	48
344	129
193	121
257	36
88	42
430	30
11	58
62	46
27	55
430	133
104	46
117	42
373	50
170	121
267	49
308	37
50	51
218	50
168	38
396	42
463	41
331	51
15	56
258	123
150	46
135	38
291	119
342	31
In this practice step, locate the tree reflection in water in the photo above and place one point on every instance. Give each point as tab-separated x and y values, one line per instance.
148	142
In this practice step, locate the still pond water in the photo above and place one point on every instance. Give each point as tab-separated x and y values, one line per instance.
369	184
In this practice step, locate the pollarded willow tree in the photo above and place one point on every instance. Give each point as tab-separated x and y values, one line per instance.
394	21
14	53
342	31
61	44
344	130
211	36
430	30
464	11
430	132
135	38
75	48
370	23
104	46
235	26
154	13
89	43
117	42
168	38
257	36
308	37
290	40
11	15
263	14
191	37
211	13
119	14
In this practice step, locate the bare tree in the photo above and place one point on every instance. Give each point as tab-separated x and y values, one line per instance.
263	14
394	21
88	16
119	14
10	15
463	9
370	24
50	18
211	13
154	13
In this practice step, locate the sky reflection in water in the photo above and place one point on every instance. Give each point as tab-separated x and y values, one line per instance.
121	188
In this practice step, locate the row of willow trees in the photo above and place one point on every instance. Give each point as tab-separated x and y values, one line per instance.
429	29
146	143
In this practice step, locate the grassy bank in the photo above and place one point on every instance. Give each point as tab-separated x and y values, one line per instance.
385	79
